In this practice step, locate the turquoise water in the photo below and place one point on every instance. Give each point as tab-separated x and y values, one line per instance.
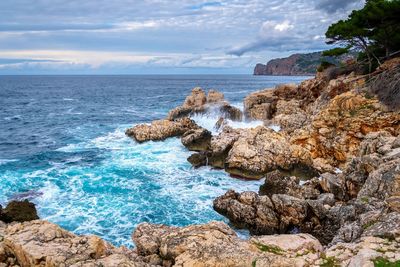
62	145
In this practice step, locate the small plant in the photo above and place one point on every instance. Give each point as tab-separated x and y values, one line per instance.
367	225
271	249
254	263
365	199
329	261
383	262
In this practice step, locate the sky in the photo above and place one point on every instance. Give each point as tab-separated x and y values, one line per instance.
158	36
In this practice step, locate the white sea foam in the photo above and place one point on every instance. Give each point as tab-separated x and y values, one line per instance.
5	161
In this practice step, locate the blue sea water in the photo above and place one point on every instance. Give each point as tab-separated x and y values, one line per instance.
62	145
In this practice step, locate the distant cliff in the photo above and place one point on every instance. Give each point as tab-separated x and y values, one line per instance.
297	64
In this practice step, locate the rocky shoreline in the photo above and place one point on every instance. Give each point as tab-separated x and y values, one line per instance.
331	194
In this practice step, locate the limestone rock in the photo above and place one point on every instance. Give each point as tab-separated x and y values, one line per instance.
278	183
289	116
214	96
260	150
196	99
40	243
248	210
300	243
260	105
161	129
339	127
215	244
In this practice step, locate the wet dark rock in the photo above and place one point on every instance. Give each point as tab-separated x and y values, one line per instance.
197	140
18	211
198	159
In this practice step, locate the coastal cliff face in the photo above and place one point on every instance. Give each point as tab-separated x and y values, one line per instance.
297	64
331	194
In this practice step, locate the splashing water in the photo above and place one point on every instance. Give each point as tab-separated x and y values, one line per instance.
63	146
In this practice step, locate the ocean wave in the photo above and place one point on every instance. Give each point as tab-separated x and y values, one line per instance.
5	161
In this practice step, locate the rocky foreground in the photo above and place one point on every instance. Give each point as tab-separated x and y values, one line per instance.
331	195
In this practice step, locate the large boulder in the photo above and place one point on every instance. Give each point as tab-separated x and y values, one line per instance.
215	244
261	214
18	211
40	243
260	150
161	129
248	210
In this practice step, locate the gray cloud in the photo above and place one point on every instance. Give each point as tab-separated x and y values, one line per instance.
332	6
186	33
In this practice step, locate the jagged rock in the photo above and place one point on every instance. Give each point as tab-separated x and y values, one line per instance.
331	183
197	140
357	171
327	199
218	150
196	99
220	124
388	226
260	150
179	112
18	211
278	183
161	129
248	210
230	112
383	182
198	159
289	116
261	214
339	127
291	210
260	105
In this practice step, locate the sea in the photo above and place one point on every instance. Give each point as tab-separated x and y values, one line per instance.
63	147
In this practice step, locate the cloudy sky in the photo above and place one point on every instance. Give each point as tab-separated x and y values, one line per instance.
159	36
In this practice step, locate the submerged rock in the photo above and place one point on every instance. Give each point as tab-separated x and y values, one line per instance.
161	129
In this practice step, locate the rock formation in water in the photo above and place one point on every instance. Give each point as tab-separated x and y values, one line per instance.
178	122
